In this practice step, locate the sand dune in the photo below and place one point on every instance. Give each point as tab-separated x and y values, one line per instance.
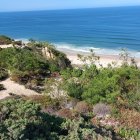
12	87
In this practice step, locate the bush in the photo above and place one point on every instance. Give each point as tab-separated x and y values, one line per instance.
17	121
66	113
66	74
20	119
23	64
129	133
21	60
1	87
101	110
130	118
81	130
74	90
82	107
70	103
4	40
57	60
3	74
45	100
76	72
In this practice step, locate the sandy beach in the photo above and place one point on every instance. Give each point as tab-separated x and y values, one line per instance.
104	59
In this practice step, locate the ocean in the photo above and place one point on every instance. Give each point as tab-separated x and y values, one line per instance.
106	30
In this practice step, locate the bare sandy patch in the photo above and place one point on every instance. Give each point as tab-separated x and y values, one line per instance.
13	87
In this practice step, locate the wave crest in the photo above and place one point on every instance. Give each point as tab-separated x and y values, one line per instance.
100	51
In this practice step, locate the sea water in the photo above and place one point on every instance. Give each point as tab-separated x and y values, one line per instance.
106	30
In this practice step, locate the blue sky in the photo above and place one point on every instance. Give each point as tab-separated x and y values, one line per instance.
26	5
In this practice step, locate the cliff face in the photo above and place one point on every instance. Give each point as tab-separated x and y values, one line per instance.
47	53
58	57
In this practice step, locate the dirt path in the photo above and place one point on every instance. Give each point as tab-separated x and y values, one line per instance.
12	87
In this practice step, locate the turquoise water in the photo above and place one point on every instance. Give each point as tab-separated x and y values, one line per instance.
104	29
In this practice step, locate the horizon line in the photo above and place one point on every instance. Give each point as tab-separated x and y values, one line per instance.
37	10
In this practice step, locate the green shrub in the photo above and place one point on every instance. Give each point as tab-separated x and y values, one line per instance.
21	60
74	90
66	74
20	119
129	133
24	65
76	72
57	60
3	74
4	40
81	130
45	101
1	87
53	66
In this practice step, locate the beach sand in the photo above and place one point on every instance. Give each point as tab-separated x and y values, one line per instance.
104	59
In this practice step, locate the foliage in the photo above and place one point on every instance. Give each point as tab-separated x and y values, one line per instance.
3	74
57	60
82	130
4	40
74	90
15	116
20	119
67	113
44	100
101	110
1	87
89	59
130	118
24	65
129	133
107	85
66	74
118	88
82	107
21	60
111	90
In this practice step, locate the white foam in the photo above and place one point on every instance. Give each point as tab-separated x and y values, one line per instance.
87	48
74	47
24	40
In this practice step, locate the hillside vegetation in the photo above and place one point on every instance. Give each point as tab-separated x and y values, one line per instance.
75	103
4	40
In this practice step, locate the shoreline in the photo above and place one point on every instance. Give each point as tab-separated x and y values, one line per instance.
104	60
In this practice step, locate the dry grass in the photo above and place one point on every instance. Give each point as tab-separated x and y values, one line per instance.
130	118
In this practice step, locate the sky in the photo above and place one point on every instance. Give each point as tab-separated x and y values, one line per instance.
29	5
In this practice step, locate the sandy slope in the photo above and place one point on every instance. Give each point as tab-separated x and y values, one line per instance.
6	46
12	87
